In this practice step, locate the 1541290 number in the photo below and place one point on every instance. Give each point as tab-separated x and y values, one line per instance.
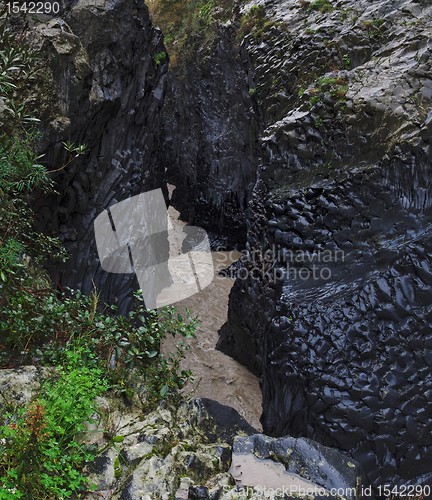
33	7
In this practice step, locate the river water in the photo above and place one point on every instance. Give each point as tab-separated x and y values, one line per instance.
216	376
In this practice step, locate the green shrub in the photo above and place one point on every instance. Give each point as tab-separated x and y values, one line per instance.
20	169
40	451
39	326
20	66
321	5
337	87
346	61
374	27
159	58
206	11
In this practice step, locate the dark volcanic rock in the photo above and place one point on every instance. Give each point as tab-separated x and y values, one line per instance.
344	354
210	136
226	422
108	93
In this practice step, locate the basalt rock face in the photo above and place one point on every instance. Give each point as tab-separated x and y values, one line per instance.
210	136
107	94
342	339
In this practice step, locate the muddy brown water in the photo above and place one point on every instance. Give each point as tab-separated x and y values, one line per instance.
216	376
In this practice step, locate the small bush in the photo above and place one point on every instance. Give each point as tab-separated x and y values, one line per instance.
159	58
337	87
321	6
374	27
39	326
40	451
20	169
346	61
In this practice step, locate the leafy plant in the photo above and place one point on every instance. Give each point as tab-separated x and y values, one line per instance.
159	58
40	325
74	151
337	87
321	5
40	451
10	258
21	171
19	65
373	27
22	249
206	11
346	61
19	166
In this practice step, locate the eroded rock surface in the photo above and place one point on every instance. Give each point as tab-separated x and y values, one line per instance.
107	94
295	466
210	132
345	172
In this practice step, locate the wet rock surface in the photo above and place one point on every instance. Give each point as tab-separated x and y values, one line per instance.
187	454
344	355
210	132
107	93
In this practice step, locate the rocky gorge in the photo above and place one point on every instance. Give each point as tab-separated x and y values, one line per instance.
341	95
299	133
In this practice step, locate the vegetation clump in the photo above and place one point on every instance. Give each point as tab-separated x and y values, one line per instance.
159	58
373	27
187	22
318	5
335	86
256	23
40	451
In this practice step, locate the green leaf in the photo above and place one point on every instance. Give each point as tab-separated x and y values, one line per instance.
164	390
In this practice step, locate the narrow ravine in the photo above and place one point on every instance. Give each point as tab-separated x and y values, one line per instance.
216	375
